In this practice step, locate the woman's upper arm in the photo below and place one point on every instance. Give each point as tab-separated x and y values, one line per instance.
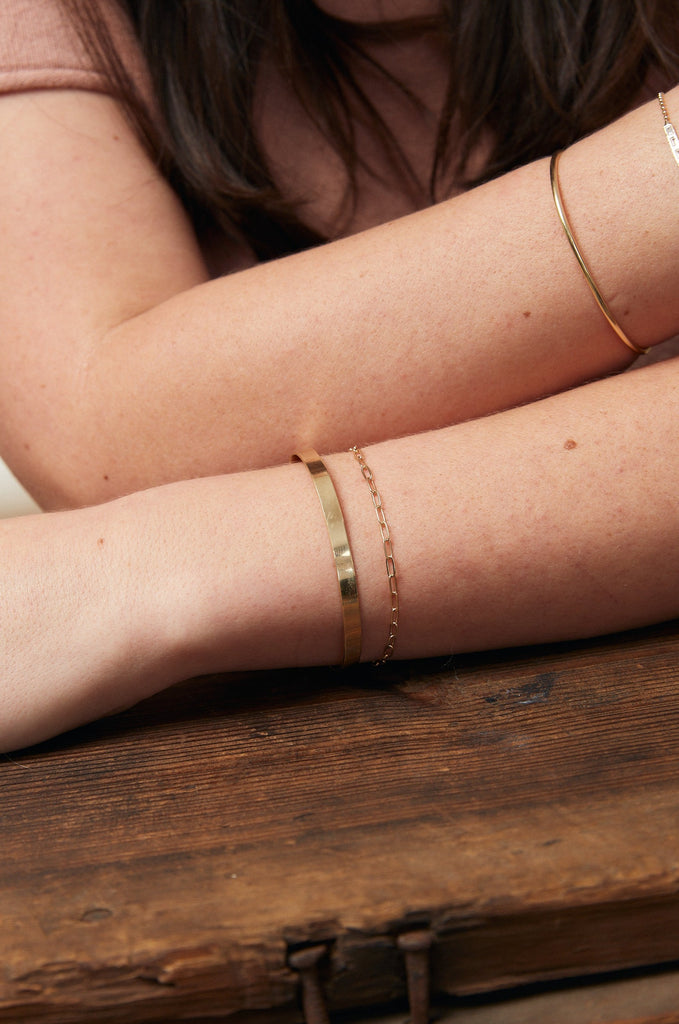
92	236
83	211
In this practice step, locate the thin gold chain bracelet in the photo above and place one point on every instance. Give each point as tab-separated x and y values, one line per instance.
388	553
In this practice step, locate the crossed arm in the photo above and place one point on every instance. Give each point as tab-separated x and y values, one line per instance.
122	366
551	520
555	520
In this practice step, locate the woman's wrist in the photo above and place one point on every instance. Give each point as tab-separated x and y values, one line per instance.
239	571
74	642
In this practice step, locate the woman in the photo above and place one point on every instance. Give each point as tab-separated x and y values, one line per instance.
149	150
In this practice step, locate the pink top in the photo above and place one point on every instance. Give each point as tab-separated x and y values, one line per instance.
40	48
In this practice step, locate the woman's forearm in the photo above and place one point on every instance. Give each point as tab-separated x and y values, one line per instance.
551	521
472	306
555	520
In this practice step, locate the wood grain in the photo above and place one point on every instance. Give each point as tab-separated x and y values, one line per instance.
523	806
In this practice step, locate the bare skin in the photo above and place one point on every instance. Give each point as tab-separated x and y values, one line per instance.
105	306
552	519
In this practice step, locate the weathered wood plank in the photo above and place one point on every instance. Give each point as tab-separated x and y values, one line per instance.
524	806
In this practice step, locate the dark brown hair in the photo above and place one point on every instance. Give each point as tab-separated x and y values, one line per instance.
530	75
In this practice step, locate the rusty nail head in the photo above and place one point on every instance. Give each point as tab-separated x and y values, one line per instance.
306	958
414	942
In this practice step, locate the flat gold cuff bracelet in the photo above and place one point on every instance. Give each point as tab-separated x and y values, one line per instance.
600	301
344	563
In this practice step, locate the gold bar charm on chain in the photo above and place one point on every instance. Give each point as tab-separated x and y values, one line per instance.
670	130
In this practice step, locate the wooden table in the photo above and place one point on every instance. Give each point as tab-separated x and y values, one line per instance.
489	822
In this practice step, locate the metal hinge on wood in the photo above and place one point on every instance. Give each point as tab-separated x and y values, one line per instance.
415	946
305	961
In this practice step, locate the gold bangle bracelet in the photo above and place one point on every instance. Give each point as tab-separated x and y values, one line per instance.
344	563
600	301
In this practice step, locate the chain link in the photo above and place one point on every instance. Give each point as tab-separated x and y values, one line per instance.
388	553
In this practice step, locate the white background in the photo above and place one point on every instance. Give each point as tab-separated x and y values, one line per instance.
13	498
